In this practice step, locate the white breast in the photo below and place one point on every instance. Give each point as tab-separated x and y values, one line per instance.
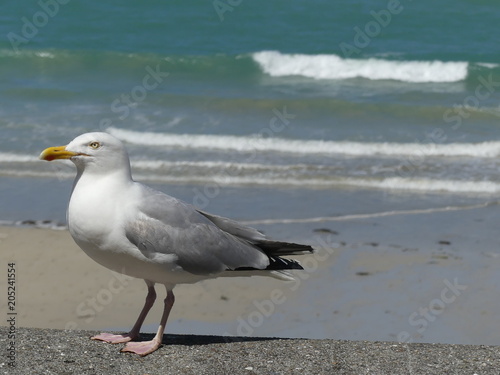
97	213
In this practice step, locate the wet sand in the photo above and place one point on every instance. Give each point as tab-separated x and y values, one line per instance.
407	276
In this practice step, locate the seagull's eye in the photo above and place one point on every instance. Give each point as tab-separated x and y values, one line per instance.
94	145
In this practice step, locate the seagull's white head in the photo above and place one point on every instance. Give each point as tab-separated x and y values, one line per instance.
96	152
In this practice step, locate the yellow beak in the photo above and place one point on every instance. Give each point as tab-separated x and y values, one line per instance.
59	152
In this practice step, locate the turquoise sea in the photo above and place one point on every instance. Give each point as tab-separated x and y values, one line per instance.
390	95
257	109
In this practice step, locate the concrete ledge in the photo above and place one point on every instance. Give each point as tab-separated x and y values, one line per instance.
44	351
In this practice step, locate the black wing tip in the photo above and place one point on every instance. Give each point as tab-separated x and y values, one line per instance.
275	264
278	248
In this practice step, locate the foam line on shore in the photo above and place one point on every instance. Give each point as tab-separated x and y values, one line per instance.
369	216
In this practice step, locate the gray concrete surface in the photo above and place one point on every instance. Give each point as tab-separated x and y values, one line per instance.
43	351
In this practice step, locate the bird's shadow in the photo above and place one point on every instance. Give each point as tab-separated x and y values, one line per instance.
190	340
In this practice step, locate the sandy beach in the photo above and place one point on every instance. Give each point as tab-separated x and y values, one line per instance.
408	276
60	287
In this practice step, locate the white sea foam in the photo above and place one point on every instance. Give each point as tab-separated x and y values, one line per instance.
421	185
215	165
279	64
6	157
395	183
312	147
45	54
293	175
488	65
418	211
308	174
35	173
157	164
426	185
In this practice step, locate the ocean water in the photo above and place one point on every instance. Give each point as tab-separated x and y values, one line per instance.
395	96
263	110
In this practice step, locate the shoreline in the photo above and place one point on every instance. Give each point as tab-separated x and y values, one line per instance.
405	277
56	352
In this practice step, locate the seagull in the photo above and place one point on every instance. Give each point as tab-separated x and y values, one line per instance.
135	230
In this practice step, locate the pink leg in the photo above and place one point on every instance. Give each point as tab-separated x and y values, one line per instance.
146	347
134	332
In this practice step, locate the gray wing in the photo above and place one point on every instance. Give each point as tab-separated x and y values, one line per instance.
235	228
256	238
166	225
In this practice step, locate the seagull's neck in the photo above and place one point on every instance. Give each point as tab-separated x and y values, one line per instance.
93	179
97	193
